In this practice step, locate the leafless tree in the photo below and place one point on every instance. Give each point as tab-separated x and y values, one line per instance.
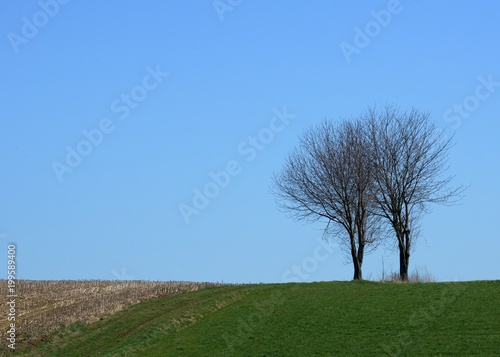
328	177
408	154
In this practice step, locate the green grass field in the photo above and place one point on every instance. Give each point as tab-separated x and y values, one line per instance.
316	319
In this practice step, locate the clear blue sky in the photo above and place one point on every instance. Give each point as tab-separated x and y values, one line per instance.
172	91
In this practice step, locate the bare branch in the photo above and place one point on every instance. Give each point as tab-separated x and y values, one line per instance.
328	177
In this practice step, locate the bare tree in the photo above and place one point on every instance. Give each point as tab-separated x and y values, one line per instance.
328	177
408	154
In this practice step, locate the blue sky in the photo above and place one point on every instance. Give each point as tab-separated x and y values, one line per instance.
116	114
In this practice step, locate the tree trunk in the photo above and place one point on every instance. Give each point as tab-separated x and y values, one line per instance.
357	258
404	260
404	253
358	274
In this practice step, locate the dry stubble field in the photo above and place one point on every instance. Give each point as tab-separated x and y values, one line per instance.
44	307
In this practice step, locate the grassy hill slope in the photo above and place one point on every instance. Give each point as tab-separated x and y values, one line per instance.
317	319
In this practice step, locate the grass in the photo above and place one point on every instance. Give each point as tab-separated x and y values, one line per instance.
317	319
